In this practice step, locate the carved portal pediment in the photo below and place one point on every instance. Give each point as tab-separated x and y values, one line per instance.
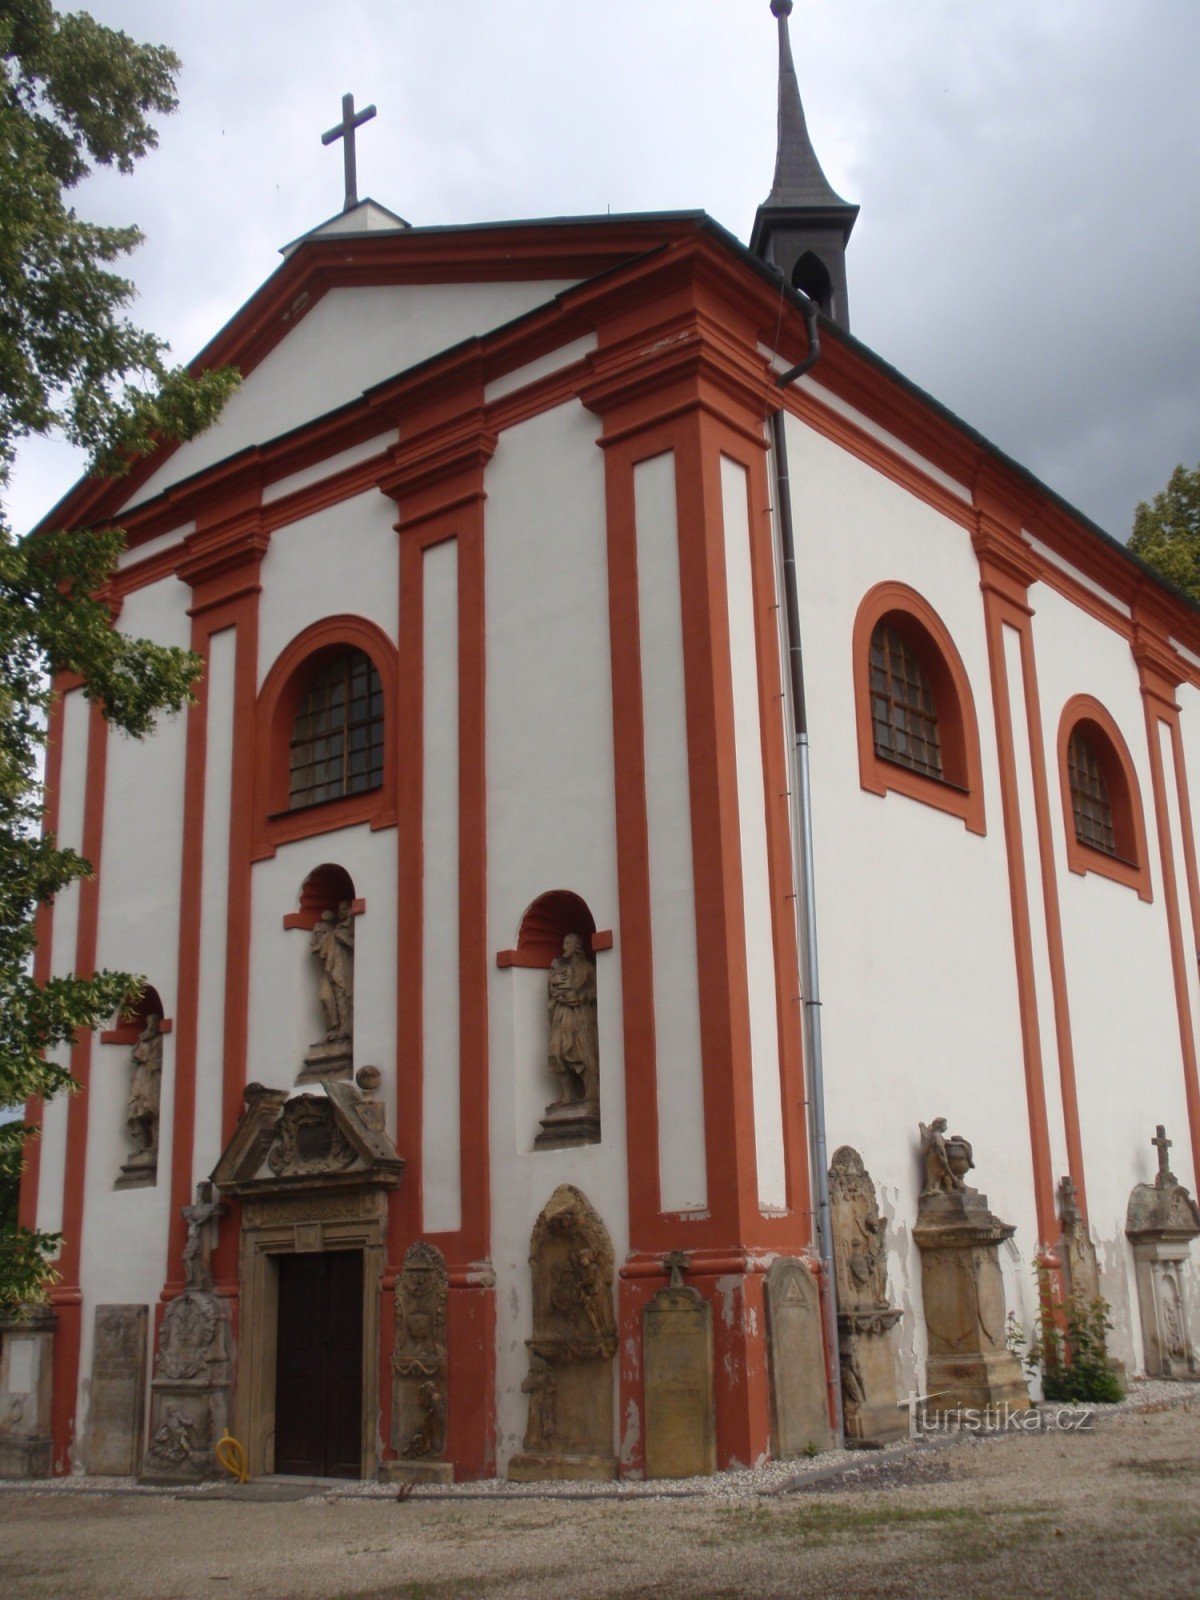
330	1138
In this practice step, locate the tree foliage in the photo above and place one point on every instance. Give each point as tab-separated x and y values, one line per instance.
73	95
1166	531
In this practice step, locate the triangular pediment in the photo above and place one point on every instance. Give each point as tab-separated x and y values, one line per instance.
329	1138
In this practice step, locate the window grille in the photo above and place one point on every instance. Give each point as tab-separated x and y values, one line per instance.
1090	798
903	713
337	738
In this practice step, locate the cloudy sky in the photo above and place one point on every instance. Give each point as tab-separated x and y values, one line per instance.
1028	248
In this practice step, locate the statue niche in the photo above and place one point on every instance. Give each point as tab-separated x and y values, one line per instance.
569	1383
140	1167
327	912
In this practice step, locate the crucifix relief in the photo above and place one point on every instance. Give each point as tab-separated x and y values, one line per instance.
345	130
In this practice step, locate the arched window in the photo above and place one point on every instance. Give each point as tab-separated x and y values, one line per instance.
337	737
811	276
1102	806
326	731
917	733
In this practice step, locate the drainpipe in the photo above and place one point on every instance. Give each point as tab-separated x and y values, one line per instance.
802	836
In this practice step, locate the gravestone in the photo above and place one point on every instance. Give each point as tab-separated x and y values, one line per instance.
26	1387
796	1350
570	1379
114	1442
677	1342
969	1364
419	1371
1161	1222
865	1318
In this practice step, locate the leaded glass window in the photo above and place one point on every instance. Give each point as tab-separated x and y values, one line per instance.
337	737
903	714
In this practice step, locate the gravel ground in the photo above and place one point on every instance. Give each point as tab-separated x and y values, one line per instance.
1067	1514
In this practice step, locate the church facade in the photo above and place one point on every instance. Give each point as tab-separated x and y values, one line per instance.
469	1125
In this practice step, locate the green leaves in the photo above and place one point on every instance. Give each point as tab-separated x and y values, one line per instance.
1166	531
73	94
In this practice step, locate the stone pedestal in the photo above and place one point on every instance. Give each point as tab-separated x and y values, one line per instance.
1161	1222
140	1171
963	1293
116	1413
416	1472
865	1318
680	1431
189	1396
796	1349
328	1059
26	1388
575	1122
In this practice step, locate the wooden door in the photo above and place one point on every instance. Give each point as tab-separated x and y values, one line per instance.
318	1385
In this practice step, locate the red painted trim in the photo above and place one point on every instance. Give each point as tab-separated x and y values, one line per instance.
42	957
961	794
66	1295
1131	866
128	1033
309	919
277	704
540	958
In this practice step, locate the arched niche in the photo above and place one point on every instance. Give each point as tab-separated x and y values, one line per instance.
327	911
545	925
327	888
130	1022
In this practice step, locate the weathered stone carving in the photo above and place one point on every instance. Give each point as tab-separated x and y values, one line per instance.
1162	1220
141	1117
570	1429
114	1438
189	1395
573	1051
308	1141
26	1392
1079	1253
677	1344
865	1318
962	1288
796	1351
332	947
419	1368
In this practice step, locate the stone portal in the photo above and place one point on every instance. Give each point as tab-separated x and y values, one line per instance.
114	1442
799	1393
962	1289
677	1339
1161	1222
865	1319
570	1377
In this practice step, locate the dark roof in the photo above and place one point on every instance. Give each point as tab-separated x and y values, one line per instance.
799	180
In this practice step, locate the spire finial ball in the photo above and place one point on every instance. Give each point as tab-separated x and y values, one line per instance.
781	8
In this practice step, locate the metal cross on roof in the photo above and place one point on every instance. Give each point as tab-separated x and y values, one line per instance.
345	130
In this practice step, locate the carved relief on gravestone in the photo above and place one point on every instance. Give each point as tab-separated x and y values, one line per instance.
1161	1222
573	1049
962	1287
569	1382
419	1369
796	1350
26	1391
677	1351
115	1414
141	1115
189	1395
331	945
865	1318
1080	1265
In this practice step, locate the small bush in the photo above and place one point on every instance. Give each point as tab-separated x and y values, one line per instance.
1069	1348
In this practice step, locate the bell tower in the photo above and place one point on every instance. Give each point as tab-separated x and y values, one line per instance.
803	224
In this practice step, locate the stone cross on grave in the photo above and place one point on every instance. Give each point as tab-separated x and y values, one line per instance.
1163	1144
676	1263
345	130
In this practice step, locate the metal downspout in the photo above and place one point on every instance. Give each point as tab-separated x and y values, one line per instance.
802	834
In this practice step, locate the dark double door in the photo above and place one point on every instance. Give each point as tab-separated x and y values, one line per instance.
318	1368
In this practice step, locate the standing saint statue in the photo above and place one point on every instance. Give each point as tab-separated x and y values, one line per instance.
938	1175
574	1054
332	943
141	1118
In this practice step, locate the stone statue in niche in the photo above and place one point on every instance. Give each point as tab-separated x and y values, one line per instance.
569	1383
419	1369
141	1116
331	945
573	1050
1161	1222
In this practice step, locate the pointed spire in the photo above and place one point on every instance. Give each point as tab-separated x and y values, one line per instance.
799	180
803	224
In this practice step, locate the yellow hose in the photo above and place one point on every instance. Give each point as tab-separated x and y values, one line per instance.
231	1453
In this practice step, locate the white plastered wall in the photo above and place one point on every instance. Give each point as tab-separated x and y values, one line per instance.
123	1251
352	339
551	825
918	977
1124	1021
